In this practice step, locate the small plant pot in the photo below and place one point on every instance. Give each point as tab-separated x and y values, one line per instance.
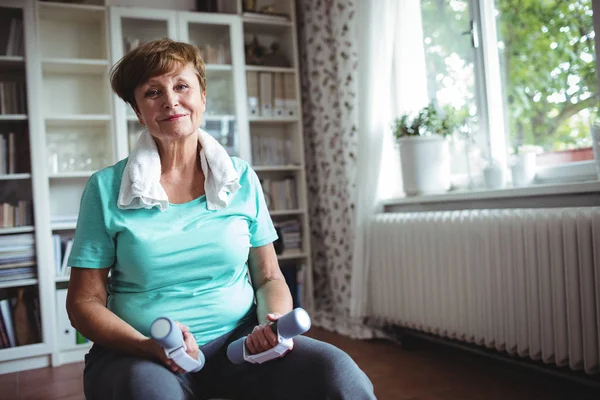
425	162
524	169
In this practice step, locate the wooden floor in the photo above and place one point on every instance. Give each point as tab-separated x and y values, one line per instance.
428	372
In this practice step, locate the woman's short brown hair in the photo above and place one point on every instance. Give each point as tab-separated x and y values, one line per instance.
153	59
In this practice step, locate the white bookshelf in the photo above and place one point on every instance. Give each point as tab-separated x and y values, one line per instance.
27	182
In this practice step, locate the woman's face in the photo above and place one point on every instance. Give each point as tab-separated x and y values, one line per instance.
171	106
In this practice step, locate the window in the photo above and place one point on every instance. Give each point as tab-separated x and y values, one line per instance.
524	70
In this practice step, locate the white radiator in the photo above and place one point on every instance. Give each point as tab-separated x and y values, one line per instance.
523	281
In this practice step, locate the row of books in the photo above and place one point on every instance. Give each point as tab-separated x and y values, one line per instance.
291	234
12	42
14	215
20	322
280	194
271	94
17	257
13	98
8	153
62	250
271	150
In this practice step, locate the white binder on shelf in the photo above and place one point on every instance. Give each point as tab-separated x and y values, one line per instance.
289	90
66	336
252	88
278	95
266	93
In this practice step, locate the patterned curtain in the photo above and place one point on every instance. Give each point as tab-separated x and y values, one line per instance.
328	62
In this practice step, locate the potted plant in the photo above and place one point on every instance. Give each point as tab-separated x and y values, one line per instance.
424	151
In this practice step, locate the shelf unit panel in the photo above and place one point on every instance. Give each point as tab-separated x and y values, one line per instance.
283	213
18	283
65	195
79	120
14	177
276	168
12	64
260	68
64	226
83	94
255	120
72	31
291	255
74	66
19	352
18	229
13	117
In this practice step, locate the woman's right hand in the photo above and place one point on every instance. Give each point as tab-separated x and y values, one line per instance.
190	342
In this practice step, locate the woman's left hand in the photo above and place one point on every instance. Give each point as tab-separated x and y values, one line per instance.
262	337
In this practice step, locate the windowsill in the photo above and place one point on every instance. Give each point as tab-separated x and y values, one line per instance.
513	192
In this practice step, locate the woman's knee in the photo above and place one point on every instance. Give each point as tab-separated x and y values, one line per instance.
137	378
337	373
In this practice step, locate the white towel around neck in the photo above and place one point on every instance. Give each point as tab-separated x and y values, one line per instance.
141	188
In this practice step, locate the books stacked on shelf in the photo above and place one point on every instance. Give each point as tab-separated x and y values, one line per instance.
62	250
271	94
271	150
20	322
11	36
280	194
8	153
15	215
17	257
291	235
13	98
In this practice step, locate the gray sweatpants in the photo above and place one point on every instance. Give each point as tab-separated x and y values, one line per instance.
313	370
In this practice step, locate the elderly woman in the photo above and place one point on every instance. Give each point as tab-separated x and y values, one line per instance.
185	232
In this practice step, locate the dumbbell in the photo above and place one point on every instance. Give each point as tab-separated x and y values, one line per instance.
166	332
292	324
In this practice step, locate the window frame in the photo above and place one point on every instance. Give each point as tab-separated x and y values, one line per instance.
490	94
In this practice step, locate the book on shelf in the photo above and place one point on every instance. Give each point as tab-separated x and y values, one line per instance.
19	316
17	257
11	36
62	251
252	90
280	194
291	235
12	216
271	150
13	97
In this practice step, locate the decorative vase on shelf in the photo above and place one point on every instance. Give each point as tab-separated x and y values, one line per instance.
524	169
494	175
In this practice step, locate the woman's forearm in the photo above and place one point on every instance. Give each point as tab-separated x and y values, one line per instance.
273	296
100	325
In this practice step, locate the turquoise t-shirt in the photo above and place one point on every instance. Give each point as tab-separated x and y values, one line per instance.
188	263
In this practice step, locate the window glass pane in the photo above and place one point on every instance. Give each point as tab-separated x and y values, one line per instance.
546	49
450	60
